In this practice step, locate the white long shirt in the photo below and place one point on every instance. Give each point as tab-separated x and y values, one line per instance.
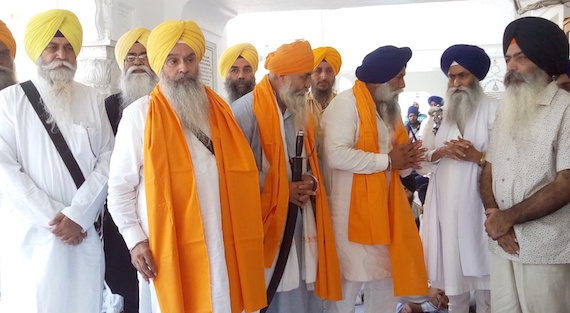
41	273
127	198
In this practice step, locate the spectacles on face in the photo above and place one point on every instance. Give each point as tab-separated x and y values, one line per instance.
131	58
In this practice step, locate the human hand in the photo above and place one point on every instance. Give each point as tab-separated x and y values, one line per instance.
464	150
407	155
438	298
496	223
67	230
300	192
141	258
509	242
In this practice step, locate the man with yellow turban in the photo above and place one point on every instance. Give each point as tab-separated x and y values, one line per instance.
271	118
327	66
237	67
137	80
183	188
7	55
367	150
52	255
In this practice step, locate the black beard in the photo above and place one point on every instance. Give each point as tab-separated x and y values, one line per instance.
235	92
322	96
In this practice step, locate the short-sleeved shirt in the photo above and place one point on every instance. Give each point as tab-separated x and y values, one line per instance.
521	167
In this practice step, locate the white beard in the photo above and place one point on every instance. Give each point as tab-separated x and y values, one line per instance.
59	76
460	106
188	98
136	85
387	105
7	77
296	105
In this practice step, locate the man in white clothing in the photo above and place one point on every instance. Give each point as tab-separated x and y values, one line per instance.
453	234
53	258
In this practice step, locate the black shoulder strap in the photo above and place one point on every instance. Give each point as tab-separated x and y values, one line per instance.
55	135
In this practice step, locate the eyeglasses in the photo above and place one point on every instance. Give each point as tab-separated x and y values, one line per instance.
131	58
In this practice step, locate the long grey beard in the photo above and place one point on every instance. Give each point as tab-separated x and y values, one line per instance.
57	100
519	104
188	98
136	85
296	104
322	96
387	105
7	77
235	92
460	106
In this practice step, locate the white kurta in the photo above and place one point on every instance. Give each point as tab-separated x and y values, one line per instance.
41	273
127	199
340	123
453	233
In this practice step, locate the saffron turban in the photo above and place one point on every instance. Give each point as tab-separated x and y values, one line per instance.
292	58
227	59
472	58
383	64
165	36
330	55
42	28
542	41
435	99
7	38
126	42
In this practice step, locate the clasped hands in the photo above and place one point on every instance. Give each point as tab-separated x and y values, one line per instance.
407	155
460	149
67	230
499	228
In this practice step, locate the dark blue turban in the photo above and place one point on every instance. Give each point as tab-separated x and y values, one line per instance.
542	41
413	110
383	64
435	99
472	58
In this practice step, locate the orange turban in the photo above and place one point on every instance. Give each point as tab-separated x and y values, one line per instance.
7	38
289	59
330	55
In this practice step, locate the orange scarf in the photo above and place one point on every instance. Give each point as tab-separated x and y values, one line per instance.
385	219
275	193
176	234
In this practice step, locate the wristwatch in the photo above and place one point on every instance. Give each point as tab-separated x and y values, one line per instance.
482	161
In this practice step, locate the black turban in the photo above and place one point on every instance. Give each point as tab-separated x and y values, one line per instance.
542	41
383	64
472	58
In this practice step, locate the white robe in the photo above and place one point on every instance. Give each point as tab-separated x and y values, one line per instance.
127	200
453	232
41	273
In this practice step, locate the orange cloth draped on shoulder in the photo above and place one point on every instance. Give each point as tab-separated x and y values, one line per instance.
275	194
176	232
379	215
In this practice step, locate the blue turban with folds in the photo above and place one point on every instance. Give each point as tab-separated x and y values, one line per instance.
413	110
383	64
472	58
436	99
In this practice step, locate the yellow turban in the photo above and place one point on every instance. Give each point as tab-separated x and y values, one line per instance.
165	36
293	58
42	27
124	44
7	38
227	59
330	55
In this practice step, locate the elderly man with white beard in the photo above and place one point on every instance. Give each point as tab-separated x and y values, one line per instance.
271	117
183	188
453	235
525	183
7	55
52	255
367	149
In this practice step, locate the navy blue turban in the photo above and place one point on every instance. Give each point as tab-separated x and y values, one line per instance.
383	64
542	41
413	110
472	58
436	99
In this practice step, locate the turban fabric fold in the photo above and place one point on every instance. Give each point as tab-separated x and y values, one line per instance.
165	36
7	38
472	58
42	28
227	59
289	59
383	64
436	99
330	55
541	40
125	43
413	110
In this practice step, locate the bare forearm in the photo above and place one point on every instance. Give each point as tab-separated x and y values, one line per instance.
486	187
547	200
